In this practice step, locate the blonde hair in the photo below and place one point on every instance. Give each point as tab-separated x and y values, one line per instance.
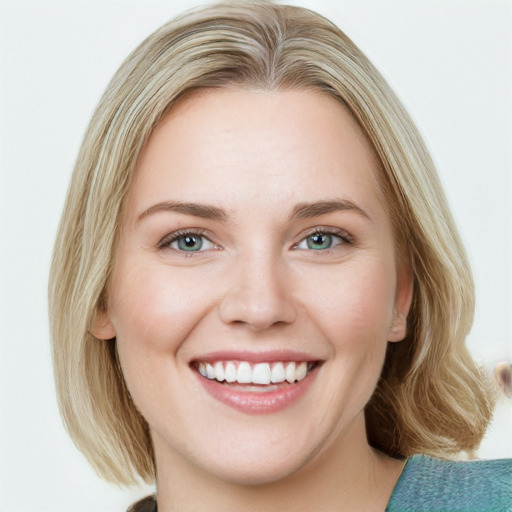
431	398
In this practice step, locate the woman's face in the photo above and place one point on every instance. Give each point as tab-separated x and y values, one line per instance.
256	284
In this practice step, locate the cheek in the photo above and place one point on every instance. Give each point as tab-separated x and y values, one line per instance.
152	312
150	307
355	303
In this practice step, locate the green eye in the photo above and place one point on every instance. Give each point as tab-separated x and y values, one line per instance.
189	242
323	240
319	241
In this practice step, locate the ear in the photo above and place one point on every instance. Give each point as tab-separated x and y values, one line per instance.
102	328
403	299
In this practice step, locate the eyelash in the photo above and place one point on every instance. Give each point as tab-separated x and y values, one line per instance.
345	238
169	239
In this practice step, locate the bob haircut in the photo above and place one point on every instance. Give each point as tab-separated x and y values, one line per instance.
431	397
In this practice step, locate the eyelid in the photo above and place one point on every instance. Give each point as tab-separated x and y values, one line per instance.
345	236
167	240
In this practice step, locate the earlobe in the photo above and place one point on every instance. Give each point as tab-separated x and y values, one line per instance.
398	328
403	300
102	328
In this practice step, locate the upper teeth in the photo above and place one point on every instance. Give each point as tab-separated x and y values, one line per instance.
260	373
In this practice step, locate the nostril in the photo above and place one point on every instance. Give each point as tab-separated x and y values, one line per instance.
258	306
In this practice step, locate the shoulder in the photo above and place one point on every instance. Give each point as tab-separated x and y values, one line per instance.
147	504
430	484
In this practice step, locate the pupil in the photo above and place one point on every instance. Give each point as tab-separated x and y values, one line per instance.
190	243
320	241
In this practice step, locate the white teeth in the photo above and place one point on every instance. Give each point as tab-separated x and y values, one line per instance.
259	374
219	371
301	371
290	372
230	373
277	374
244	373
210	372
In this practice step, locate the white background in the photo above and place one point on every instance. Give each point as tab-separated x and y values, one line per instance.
451	63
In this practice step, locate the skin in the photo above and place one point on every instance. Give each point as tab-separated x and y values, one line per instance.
257	286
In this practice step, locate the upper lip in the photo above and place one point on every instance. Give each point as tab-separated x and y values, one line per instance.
272	356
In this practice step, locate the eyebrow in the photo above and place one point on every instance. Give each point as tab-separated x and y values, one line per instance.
317	208
204	211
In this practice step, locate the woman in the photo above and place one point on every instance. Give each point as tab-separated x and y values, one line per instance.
270	293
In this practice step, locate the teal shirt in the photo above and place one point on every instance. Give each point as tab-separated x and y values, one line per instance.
429	485
434	485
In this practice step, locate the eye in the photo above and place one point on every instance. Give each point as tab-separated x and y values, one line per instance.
322	240
186	242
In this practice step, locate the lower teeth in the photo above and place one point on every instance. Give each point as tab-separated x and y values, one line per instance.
255	388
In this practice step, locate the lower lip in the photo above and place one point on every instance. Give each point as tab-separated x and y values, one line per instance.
258	402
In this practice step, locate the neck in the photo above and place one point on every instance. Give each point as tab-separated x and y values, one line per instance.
347	474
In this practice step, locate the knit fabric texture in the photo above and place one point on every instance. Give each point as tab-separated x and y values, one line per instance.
428	485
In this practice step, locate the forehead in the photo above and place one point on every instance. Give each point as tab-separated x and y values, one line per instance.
269	146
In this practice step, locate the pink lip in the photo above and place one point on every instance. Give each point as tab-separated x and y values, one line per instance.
257	357
253	402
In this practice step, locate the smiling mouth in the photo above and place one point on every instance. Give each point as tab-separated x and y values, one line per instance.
255	376
255	385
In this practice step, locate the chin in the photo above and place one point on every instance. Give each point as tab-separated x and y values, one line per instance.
262	472
248	457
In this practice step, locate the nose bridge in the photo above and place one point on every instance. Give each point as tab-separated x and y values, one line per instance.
258	295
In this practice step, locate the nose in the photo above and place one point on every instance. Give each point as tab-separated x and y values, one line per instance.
259	295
